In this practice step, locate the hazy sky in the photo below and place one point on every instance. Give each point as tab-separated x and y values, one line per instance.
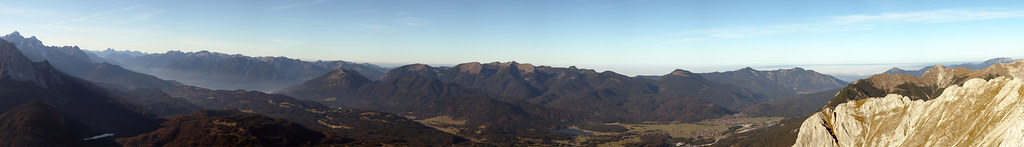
627	36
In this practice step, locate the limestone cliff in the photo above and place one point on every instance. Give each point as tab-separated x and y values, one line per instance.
979	113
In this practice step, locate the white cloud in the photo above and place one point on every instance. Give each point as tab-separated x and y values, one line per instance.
96	15
137	17
934	16
289	6
847	23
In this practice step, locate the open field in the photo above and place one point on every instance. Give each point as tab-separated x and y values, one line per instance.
709	130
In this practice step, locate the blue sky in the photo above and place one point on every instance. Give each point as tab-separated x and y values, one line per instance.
627	36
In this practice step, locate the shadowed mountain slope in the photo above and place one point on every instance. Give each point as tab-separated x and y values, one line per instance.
363	127
228	128
226	71
792	106
38	123
777	83
545	85
423	97
23	81
75	62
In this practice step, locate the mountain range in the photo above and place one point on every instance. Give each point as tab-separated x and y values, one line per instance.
75	62
35	95
229	72
42	106
971	66
531	97
99	103
777	83
606	94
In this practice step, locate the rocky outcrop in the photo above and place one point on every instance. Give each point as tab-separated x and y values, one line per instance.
931	86
979	113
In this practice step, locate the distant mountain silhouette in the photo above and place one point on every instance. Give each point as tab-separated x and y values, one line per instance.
777	83
224	71
971	66
792	106
75	62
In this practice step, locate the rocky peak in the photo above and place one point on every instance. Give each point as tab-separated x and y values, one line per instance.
939	76
681	72
174	52
16	37
13	63
471	67
747	69
341	78
416	67
894	69
15	34
525	68
999	60
979	113
342	73
203	53
413	70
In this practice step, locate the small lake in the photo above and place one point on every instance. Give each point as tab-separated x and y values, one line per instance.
572	131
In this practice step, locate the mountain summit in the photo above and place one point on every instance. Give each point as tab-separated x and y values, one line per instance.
680	72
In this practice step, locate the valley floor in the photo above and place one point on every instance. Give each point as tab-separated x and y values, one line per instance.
631	134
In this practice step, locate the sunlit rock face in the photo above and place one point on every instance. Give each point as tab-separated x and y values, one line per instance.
980	113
